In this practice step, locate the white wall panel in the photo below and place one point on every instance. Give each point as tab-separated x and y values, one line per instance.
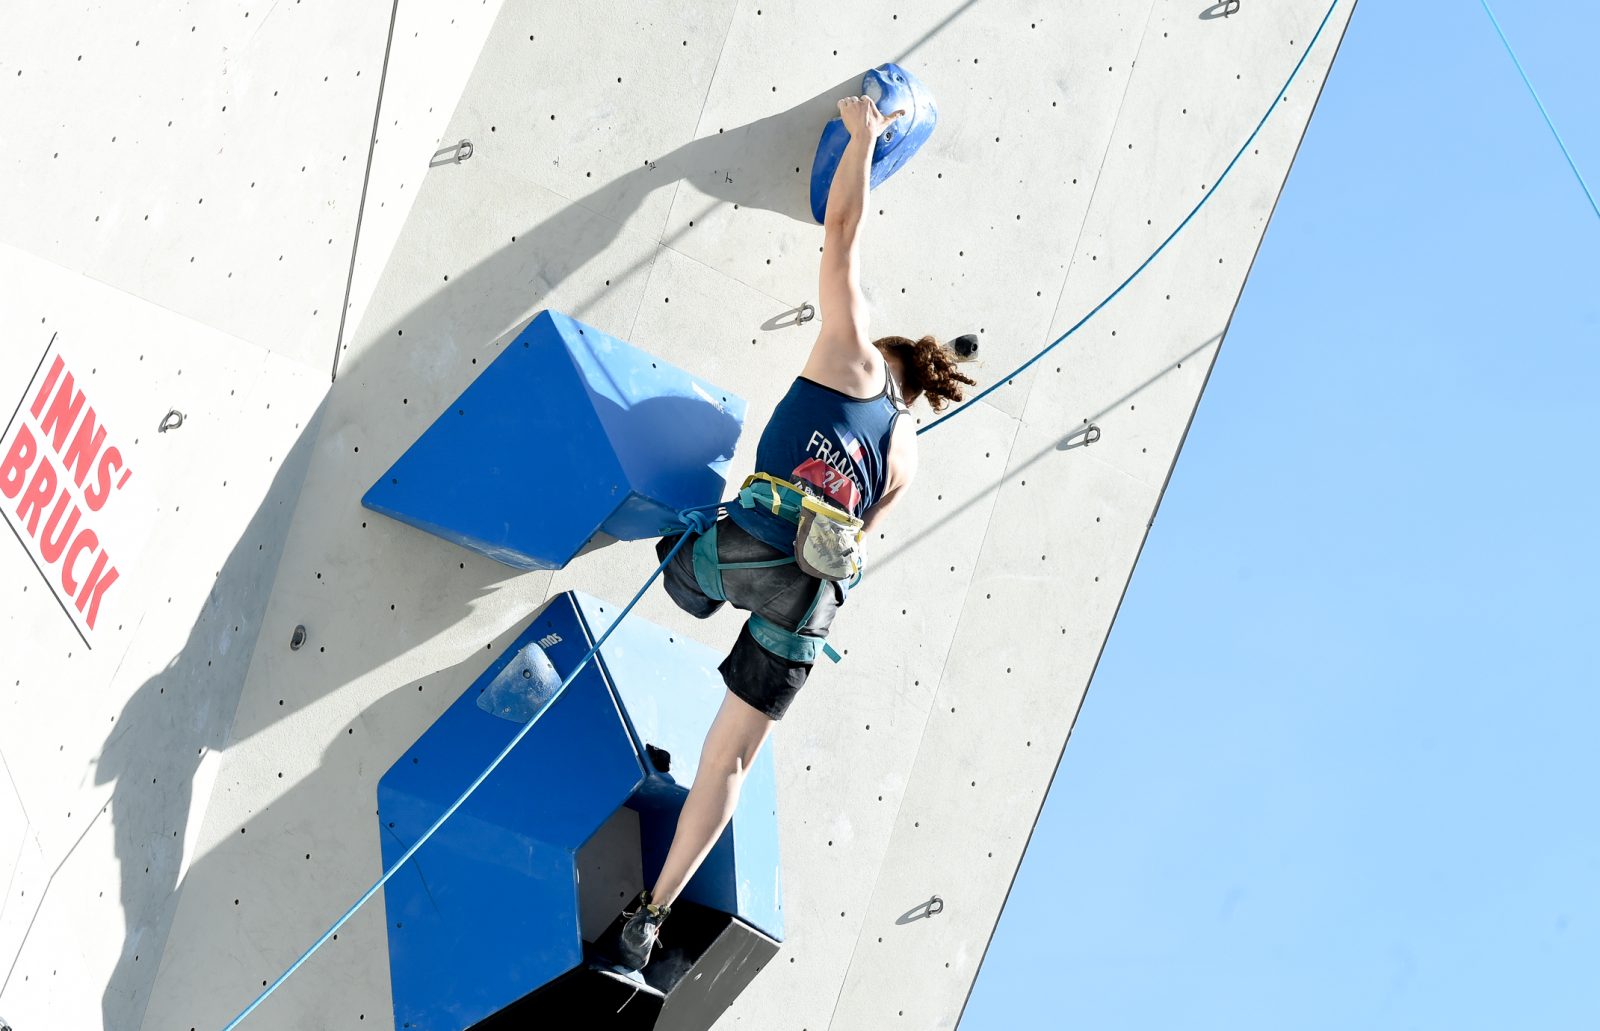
670	209
581	100
110	739
210	158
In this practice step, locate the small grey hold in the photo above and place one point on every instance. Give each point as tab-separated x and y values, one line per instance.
965	347
295	641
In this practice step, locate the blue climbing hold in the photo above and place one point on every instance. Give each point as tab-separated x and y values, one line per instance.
892	88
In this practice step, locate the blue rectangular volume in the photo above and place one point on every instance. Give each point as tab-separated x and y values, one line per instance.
488	910
568	433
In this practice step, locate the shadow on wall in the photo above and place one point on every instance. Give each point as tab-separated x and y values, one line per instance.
765	164
175	718
162	735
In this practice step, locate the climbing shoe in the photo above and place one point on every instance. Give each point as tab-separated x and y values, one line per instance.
631	936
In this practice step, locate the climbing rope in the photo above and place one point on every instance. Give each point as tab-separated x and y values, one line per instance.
698	520
1559	141
1276	100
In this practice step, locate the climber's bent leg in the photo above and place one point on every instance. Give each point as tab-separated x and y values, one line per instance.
731	746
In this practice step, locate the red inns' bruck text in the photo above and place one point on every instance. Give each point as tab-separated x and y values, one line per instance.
51	496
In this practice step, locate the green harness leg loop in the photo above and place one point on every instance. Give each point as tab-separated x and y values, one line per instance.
756	565
707	572
791	644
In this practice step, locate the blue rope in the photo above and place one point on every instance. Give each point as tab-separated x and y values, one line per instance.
1559	141
1142	265
693	518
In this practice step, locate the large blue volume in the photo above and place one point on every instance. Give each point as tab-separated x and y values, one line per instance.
488	910
568	433
892	88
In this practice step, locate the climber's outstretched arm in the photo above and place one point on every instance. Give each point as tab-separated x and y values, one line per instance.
843	346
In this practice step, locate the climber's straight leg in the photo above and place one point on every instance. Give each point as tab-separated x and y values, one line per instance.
731	746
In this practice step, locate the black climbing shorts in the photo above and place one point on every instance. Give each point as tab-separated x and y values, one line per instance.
782	594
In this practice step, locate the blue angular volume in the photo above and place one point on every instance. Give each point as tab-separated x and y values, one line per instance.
490	909
568	433
892	88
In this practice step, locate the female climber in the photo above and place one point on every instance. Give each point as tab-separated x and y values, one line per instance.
837	438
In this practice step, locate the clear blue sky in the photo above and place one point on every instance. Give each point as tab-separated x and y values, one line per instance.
1339	765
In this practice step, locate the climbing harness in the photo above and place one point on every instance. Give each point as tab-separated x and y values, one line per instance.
697	518
827	546
827	540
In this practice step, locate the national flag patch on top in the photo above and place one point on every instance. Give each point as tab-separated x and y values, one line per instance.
852	446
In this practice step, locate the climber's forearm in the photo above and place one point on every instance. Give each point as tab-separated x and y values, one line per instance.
848	192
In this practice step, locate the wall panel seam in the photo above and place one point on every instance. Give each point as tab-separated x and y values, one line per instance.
366	182
38	904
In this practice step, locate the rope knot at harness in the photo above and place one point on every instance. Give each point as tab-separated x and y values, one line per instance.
697	521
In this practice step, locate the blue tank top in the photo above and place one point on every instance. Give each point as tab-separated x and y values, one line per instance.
825	440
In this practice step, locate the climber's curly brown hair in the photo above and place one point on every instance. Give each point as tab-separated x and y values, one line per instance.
930	371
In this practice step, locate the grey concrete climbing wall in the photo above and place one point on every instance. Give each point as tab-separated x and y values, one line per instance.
178	223
192	800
